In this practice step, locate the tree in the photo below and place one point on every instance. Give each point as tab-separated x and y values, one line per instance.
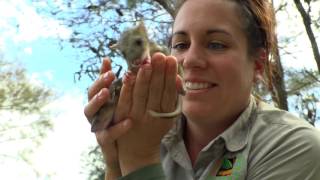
303	84
24	120
93	164
304	90
307	21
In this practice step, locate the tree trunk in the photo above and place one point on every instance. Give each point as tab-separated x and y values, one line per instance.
167	5
279	94
307	24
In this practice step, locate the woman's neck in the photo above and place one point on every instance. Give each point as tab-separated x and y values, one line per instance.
197	136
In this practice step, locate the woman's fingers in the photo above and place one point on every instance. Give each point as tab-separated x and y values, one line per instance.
109	136
141	91
125	99
98	93
154	88
163	88
106	65
104	80
96	103
169	96
157	82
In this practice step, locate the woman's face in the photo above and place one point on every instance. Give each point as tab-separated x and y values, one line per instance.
209	41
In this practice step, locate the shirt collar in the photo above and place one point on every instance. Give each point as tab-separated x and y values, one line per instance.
235	137
175	134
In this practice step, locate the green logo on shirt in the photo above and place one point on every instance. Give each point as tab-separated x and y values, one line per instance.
230	168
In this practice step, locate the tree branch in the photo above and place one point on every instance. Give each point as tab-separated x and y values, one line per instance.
307	24
167	7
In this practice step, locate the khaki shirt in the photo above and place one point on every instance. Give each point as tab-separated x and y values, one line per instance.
264	143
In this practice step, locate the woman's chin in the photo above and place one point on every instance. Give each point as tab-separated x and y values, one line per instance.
196	111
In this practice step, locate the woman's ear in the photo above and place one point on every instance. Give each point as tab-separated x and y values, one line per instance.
259	63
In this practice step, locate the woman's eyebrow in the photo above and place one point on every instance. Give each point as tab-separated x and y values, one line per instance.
213	31
179	33
209	31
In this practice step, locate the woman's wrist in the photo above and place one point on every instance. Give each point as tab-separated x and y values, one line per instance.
129	165
112	173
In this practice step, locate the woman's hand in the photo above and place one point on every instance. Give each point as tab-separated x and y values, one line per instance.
154	89
98	94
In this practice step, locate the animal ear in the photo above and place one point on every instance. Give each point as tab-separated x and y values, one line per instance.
141	26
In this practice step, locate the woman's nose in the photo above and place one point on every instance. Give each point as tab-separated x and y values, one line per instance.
194	57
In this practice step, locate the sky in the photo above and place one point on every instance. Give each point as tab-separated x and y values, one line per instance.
36	47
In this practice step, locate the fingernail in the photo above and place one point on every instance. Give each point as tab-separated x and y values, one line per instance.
107	75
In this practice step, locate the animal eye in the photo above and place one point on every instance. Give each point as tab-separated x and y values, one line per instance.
180	46
138	42
216	46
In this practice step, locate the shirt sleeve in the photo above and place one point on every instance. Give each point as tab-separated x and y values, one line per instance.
295	156
151	172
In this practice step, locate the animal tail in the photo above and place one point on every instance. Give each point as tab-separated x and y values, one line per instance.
170	114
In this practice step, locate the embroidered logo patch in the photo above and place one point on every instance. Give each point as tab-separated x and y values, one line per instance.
226	167
229	168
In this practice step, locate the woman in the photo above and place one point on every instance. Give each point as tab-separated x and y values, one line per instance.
223	46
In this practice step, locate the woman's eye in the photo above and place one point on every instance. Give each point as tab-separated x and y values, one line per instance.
180	46
216	46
